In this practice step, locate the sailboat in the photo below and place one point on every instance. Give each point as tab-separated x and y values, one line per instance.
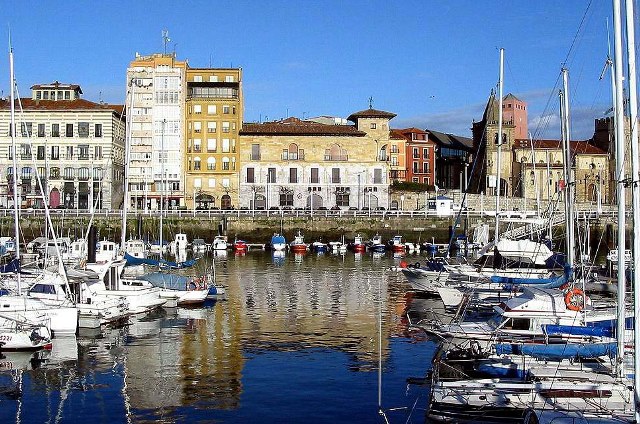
17	307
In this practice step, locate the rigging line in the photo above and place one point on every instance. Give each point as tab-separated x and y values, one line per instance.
578	32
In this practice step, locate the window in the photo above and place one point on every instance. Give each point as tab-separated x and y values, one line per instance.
40	153
286	198
26	129
97	174
213	78
197	109
197	78
291	153
425	153
69	130
83	174
197	182
211	164
425	167
335	175
415	167
26	173
211	144
377	176
225	127
55	152
25	151
55	130
40	130
315	179
228	78
83	151
68	173
211	127
255	152
197	148
226	109
212	182
11	152
196	164
293	175
97	130
83	129
372	125
271	175
416	155
97	152
225	145
197	126
54	173
211	109
226	183
251	175
342	198
225	163
67	95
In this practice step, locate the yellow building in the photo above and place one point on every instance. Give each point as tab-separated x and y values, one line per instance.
303	164
213	118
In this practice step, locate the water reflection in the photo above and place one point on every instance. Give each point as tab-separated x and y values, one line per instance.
173	363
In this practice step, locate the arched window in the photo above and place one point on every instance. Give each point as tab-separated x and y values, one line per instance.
382	154
211	164
335	153
293	151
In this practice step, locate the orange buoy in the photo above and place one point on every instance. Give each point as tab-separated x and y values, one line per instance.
574	299
403	264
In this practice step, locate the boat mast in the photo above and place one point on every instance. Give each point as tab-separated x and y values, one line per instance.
127	160
569	186
16	206
619	178
635	190
500	84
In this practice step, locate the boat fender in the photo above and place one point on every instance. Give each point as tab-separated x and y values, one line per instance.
574	299
416	265
403	264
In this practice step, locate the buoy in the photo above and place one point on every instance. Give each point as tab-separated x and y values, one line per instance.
574	299
403	264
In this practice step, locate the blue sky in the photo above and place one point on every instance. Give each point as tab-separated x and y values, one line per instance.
433	63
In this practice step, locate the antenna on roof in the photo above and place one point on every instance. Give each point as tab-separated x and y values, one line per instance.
370	102
100	96
165	39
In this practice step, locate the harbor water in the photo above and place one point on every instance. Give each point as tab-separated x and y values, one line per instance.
296	340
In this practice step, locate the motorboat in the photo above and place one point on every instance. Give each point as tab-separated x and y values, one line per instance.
220	243
240	246
135	248
298	245
198	245
21	334
376	244
278	242
397	245
319	246
358	244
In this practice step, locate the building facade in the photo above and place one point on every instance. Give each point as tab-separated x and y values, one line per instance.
302	164
420	153
155	102
213	118
74	146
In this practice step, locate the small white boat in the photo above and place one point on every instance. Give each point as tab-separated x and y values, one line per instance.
220	243
20	334
179	244
199	246
135	248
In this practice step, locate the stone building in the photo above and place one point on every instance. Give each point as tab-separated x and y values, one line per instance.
75	147
301	164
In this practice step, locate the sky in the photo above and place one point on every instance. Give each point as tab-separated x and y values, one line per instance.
432	63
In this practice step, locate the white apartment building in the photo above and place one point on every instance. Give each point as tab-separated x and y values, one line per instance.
156	98
75	147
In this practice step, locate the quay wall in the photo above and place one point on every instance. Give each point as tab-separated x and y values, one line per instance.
259	226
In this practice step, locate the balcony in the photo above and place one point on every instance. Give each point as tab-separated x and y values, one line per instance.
336	158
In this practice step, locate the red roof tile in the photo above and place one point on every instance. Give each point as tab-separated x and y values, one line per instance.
295	126
63	105
370	113
582	147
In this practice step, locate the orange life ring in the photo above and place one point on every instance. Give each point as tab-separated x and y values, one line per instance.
574	299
